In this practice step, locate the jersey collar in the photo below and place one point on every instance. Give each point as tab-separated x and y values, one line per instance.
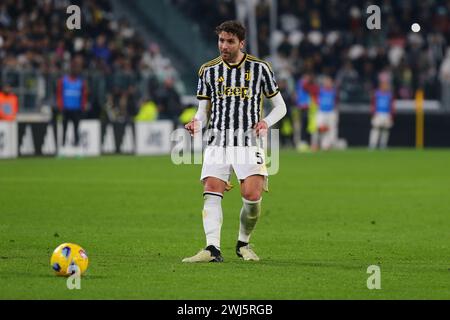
231	66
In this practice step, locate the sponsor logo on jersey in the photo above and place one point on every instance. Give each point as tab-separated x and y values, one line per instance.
243	92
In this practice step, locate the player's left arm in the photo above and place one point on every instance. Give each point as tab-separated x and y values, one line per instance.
278	112
272	92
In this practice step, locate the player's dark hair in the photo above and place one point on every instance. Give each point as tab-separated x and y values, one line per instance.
233	27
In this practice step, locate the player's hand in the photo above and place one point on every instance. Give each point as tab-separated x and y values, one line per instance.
193	126
261	128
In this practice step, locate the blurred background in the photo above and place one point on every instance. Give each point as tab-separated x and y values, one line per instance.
140	60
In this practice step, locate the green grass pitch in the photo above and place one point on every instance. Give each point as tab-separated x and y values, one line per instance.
327	217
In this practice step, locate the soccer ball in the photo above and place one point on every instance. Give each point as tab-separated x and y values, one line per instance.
67	257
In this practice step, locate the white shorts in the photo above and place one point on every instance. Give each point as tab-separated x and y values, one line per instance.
382	120
220	162
326	119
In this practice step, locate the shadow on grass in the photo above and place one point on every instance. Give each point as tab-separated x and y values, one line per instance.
15	275
284	263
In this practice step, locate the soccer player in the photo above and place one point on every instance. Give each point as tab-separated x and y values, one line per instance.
71	98
383	109
327	117
231	87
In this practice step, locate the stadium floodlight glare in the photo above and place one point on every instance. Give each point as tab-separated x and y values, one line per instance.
415	27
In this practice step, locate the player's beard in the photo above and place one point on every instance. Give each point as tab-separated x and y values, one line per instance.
230	57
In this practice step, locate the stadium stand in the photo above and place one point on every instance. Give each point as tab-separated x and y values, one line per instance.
122	69
141	60
331	37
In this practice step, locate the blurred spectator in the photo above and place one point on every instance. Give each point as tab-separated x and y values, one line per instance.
330	37
101	51
287	124
285	48
303	101
403	81
383	112
122	99
327	117
9	104
348	81
148	111
71	99
312	89
169	102
33	39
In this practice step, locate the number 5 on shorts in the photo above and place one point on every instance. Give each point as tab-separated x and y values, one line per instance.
260	158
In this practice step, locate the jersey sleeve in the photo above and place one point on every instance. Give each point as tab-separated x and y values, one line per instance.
203	88
269	84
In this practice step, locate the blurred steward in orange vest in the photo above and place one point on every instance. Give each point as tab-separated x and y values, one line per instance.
9	104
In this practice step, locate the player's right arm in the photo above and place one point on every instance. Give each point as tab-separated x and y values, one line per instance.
200	119
204	97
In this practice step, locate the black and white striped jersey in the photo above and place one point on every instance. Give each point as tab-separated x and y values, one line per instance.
236	95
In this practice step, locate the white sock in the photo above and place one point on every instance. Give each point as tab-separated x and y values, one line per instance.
384	138
374	136
326	140
212	218
250	213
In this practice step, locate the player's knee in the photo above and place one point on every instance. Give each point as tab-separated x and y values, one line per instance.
214	188
214	185
251	195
